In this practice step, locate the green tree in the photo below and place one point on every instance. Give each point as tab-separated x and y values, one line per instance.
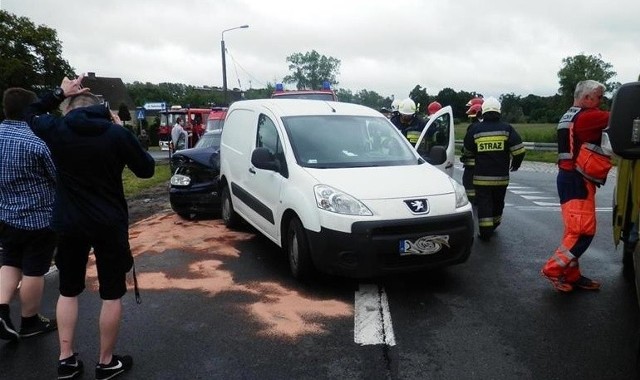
369	98
30	55
310	70
259	93
457	101
420	96
581	67
511	108
124	114
345	95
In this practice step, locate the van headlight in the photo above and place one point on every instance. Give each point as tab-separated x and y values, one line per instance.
461	194
330	199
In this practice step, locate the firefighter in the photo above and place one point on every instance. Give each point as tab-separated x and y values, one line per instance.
497	148
433	107
475	100
474	113
395	104
438	133
410	124
582	123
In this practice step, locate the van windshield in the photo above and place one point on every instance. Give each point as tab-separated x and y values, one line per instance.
332	141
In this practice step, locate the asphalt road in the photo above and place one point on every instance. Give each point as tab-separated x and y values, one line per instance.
220	304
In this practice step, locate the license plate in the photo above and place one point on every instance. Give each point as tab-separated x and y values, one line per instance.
426	245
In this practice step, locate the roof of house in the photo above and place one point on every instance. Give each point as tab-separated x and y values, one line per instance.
112	90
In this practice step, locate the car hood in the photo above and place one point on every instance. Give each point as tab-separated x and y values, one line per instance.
386	182
200	155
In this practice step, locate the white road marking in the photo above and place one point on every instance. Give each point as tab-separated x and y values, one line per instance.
536	197
547	204
522	192
556	208
371	317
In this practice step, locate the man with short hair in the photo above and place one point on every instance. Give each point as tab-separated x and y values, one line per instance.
90	213
179	135
582	123
27	189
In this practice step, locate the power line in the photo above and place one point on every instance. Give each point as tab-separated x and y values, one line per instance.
235	63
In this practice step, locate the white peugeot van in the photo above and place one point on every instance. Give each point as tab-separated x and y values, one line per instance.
340	189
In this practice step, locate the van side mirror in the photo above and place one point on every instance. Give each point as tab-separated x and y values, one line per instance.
624	121
262	158
437	155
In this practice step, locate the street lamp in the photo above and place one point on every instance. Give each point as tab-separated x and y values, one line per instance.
224	62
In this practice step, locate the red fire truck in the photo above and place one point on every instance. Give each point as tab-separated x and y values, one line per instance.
326	93
195	124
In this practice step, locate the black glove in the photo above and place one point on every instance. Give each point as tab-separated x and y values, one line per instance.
514	168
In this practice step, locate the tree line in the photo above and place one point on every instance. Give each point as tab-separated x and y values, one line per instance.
31	57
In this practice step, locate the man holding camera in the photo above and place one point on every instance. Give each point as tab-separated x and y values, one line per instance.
90	213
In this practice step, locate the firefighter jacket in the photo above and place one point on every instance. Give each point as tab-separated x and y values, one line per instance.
497	147
577	126
466	157
415	126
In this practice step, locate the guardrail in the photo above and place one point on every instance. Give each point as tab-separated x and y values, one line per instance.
542	147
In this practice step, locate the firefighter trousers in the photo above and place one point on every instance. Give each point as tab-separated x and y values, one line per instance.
467	182
577	203
490	204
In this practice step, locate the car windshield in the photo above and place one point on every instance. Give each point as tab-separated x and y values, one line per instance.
209	140
214	124
302	95
347	141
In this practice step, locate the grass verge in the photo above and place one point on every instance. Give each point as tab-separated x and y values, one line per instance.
134	185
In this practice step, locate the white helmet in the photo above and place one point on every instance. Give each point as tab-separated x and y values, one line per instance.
490	104
395	105
407	107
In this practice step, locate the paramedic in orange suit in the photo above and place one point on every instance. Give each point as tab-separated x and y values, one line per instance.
583	122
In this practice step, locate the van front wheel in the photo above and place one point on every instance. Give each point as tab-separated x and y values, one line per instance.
229	216
298	251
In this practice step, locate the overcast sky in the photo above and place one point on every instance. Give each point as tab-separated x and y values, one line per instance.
491	46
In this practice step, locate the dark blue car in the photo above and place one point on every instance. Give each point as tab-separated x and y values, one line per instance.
194	182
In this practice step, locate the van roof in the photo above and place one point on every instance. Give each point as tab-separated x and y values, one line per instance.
295	107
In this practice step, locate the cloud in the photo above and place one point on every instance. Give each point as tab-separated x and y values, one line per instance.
495	46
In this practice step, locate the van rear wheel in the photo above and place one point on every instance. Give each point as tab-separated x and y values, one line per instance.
298	251
229	216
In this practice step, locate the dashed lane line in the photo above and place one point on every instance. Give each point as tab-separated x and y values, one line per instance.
372	318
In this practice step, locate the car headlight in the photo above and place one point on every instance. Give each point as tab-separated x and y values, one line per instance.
461	194
180	180
330	199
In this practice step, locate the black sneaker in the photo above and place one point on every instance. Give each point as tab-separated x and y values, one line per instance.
587	283
40	326
118	365
70	368
7	331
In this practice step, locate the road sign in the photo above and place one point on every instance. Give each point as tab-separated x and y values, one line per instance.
155	106
140	114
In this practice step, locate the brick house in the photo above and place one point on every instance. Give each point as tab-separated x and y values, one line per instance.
112	90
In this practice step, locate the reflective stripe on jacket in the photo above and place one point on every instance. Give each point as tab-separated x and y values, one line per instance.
494	144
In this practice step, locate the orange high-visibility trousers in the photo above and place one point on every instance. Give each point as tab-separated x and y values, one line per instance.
577	199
